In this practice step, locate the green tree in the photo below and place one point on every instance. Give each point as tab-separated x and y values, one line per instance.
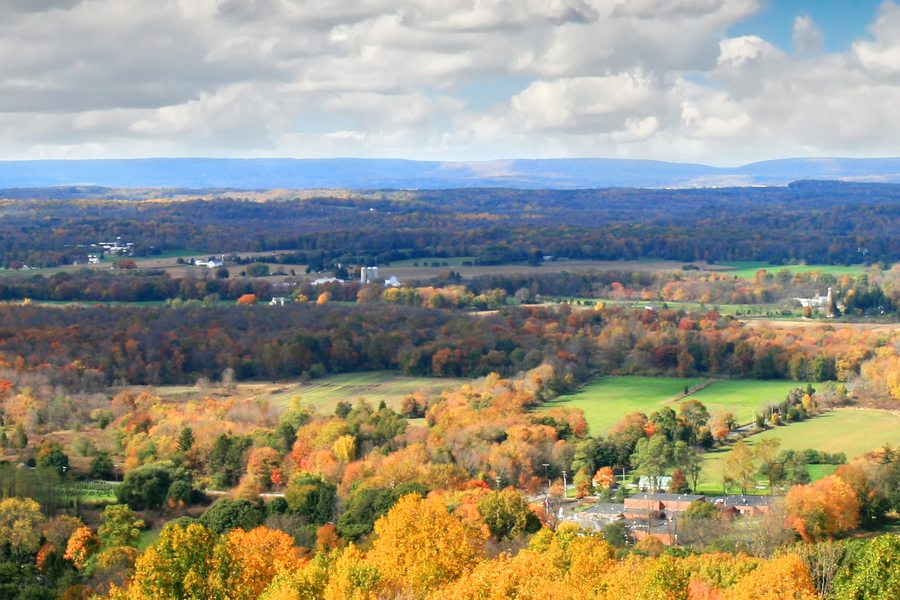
507	515
258	270
51	456
651	458
226	458
119	526
186	439
102	466
226	514
695	414
145	487
367	505
20	438
689	460
311	498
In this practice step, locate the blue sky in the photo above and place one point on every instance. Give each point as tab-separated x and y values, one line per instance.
723	82
840	21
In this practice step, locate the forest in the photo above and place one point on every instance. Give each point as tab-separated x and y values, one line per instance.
815	222
160	437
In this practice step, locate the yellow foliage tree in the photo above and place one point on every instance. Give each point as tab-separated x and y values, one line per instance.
779	578
20	525
179	565
344	448
421	546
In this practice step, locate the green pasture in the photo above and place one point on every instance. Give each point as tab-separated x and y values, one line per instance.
741	397
851	431
748	269
324	394
761	310
606	400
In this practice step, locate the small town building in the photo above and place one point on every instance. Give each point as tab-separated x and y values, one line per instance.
745	506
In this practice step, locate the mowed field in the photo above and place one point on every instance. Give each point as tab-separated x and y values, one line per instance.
851	431
741	397
323	394
606	400
747	269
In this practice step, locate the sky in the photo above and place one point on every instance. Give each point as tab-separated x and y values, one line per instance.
722	82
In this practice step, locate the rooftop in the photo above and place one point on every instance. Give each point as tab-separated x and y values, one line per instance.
733	500
668	497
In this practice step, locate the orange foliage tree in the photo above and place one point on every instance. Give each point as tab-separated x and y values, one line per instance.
823	509
255	557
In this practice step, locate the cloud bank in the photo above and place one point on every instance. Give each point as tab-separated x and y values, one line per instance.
459	79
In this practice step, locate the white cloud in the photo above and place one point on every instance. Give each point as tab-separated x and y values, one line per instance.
641	78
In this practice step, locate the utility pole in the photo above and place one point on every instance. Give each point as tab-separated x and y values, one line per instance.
565	487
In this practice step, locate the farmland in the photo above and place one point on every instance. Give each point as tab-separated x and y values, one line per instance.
748	269
836	431
323	394
742	397
605	401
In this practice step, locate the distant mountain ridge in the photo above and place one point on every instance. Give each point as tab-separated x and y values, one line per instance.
361	173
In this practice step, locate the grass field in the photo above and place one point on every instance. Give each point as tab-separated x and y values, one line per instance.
606	400
695	307
375	386
747	270
324	393
851	431
742	397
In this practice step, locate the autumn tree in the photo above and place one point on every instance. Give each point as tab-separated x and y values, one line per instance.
777	579
420	546
870	569
253	559
119	526
248	300
20	525
766	455
822	510
81	545
180	564
739	466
